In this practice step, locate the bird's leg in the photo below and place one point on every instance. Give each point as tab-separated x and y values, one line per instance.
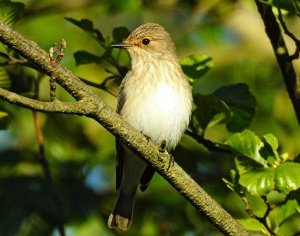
163	149
162	146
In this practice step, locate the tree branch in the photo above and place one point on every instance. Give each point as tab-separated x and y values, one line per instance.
76	108
282	56
95	108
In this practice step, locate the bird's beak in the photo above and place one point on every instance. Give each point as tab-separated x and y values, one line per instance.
121	45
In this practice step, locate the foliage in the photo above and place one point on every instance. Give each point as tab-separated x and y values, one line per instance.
252	164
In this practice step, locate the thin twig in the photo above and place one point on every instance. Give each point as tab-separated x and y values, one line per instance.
263	219
55	56
283	59
102	85
296	54
211	146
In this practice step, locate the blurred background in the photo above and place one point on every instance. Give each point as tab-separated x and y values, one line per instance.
81	153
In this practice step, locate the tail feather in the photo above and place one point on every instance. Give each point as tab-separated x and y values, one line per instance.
117	221
121	217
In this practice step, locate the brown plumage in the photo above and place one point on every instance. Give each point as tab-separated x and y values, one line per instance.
156	99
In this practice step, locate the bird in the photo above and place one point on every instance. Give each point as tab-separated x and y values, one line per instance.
155	98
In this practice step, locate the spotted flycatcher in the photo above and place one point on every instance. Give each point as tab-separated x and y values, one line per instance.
155	98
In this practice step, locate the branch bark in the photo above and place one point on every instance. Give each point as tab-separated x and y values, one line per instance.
281	53
89	104
76	108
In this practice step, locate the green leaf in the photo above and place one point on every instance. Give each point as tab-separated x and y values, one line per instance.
84	57
119	34
11	12
275	198
4	120
286	211
4	79
271	146
241	103
247	144
251	224
195	66
272	141
209	111
287	177
261	181
257	181
88	27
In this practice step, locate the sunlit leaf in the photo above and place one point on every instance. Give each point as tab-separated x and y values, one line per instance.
287	177
84	57
195	66
287	210
272	141
248	144
258	181
241	103
262	180
119	34
209	111
11	12
255	175
4	79
251	224
88	27
271	146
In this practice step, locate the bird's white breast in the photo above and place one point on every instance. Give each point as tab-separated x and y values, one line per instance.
158	104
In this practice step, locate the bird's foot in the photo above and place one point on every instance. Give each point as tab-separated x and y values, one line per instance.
163	149
163	146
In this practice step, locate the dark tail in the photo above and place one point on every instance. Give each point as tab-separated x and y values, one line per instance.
121	217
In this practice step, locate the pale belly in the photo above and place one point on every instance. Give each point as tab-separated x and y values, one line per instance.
161	113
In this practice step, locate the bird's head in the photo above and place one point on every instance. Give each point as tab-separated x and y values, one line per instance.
148	39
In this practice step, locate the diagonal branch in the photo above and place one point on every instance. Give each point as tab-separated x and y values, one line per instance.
92	106
282	56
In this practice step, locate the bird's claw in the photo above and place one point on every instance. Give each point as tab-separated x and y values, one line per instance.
163	146
163	149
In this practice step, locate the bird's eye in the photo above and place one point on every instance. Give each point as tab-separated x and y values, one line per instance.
145	41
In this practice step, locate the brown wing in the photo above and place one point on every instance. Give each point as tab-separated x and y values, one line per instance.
119	148
121	99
